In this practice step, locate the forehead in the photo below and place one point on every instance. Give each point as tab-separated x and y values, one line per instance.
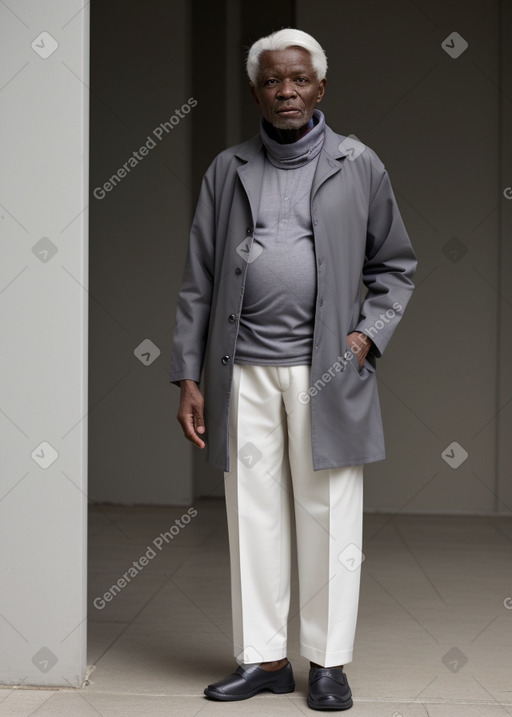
291	60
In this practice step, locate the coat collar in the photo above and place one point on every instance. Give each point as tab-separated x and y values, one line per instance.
250	150
252	153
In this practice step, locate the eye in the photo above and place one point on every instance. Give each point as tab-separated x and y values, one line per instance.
269	82
302	80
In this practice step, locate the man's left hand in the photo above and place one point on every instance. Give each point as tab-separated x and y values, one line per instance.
360	344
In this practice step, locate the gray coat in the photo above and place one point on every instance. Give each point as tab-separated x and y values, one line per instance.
358	235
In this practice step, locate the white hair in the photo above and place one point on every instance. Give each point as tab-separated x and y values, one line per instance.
281	40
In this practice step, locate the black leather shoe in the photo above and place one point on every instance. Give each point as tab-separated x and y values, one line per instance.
247	681
328	689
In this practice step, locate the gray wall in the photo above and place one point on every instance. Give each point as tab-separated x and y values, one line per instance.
44	76
138	236
504	286
438	123
435	122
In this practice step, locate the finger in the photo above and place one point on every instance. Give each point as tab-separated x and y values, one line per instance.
199	427
199	421
187	423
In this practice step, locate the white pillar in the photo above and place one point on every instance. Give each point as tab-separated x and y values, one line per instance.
44	128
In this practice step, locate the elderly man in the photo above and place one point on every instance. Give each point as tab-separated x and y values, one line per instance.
270	315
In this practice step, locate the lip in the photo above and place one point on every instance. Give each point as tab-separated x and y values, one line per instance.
289	111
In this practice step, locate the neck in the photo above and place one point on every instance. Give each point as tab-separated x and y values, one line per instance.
287	136
285	152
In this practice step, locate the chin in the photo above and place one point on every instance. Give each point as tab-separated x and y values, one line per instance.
288	123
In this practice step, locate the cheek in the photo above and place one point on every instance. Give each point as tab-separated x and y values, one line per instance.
310	97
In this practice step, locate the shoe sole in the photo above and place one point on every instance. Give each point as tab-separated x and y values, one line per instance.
235	698
340	706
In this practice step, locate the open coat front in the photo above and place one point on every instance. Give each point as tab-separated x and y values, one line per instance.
358	234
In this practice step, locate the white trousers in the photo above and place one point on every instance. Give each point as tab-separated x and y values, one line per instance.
271	474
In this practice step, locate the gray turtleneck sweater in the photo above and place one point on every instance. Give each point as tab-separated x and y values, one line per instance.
276	323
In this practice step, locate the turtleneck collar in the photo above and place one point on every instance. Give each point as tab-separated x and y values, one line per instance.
294	154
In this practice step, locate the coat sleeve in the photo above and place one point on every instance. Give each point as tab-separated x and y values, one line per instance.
194	298
389	264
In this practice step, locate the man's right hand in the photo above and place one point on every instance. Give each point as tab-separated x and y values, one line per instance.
190	413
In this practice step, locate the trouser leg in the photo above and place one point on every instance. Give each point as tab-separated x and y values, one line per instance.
329	519
258	512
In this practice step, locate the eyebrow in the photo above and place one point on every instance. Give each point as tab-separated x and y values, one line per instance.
277	73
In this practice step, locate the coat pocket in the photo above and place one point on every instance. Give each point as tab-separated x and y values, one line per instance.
363	371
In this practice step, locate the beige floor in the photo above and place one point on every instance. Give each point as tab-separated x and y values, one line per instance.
434	631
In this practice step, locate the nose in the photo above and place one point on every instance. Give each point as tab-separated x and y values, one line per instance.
286	90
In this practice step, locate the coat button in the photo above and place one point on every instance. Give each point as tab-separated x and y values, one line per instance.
225	360
238	270
232	318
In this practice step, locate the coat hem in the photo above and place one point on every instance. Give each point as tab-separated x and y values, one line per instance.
316	466
324	465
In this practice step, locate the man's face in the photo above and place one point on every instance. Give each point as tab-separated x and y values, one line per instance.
287	89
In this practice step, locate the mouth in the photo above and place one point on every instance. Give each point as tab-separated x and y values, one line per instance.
289	111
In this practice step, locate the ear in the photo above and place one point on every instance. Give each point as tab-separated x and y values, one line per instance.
252	87
321	89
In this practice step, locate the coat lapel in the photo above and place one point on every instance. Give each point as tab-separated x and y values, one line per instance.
251	153
330	160
251	172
